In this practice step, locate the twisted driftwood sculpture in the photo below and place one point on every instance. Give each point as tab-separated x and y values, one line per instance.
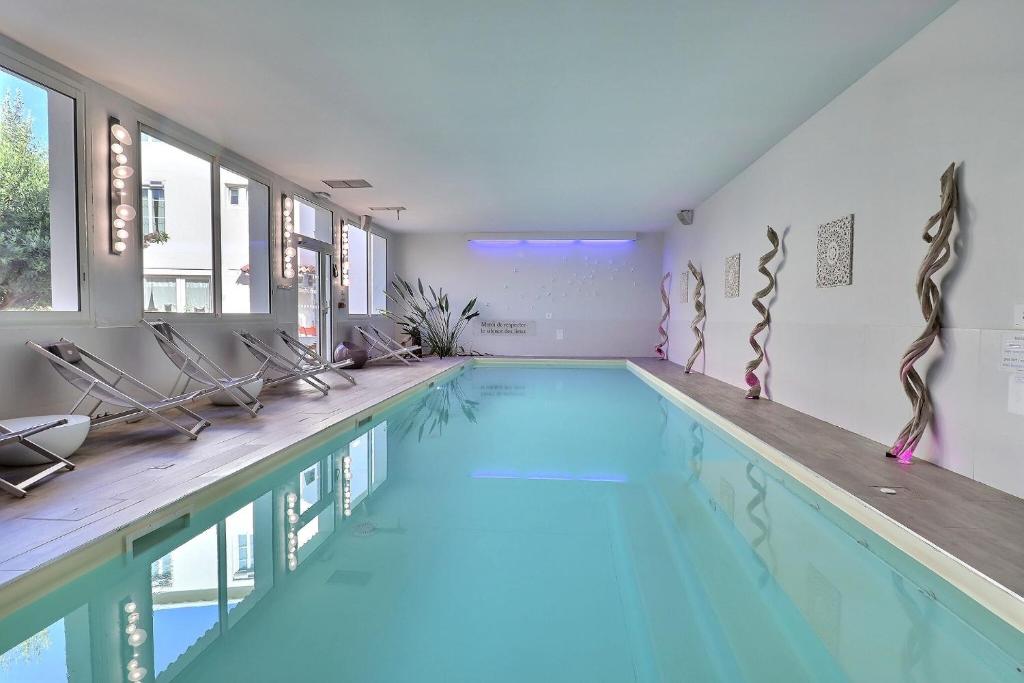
698	306
931	304
663	344
754	384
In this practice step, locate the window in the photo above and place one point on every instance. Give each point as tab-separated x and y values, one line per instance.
357	252
378	274
38	197
181	226
244	244
154	222
314	221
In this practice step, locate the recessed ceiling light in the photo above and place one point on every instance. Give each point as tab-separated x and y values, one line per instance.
352	184
322	195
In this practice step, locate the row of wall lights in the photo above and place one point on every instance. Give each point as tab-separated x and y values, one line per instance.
121	211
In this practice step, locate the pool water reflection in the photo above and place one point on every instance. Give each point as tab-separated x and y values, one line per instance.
512	524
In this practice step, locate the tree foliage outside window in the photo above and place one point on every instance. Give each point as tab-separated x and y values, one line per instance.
24	210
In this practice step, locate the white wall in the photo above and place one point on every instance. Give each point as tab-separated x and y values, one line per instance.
954	92
604	298
111	294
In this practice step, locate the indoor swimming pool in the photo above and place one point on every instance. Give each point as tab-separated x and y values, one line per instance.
514	523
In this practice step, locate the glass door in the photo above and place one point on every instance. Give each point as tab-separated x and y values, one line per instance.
314	300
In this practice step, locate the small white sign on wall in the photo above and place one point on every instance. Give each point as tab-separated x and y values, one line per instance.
1013	352
511	328
1015	400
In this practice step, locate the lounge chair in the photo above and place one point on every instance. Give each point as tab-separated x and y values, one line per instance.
308	355
196	366
82	370
388	347
286	369
22	436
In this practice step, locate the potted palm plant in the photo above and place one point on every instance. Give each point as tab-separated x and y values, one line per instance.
427	318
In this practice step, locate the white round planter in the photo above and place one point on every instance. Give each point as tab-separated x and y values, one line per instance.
221	398
63	440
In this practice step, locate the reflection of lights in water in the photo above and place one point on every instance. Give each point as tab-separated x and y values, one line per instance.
291	538
136	636
346	485
551	476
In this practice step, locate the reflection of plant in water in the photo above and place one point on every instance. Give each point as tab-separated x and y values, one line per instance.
28	650
431	413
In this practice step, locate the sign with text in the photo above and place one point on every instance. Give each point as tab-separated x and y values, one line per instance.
1013	352
511	328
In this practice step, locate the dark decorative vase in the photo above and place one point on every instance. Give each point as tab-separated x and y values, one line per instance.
349	351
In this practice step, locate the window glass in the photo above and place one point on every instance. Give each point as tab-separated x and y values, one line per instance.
357	294
38	198
154	220
244	244
313	221
378	273
179	242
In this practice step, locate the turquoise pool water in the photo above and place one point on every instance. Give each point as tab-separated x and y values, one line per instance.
512	524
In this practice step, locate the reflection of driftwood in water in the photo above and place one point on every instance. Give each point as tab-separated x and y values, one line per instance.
431	413
763	522
696	450
918	641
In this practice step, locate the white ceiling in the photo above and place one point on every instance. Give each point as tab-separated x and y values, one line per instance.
484	114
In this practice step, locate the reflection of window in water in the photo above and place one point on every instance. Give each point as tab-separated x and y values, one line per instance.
185	604
309	487
40	657
244	555
368	464
162	571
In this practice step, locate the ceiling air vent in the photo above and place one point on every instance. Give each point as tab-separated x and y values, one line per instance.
353	184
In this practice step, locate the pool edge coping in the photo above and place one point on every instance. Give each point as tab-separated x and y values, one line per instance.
991	595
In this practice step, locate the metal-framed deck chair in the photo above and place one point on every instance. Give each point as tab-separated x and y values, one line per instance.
386	346
397	346
308	355
82	370
287	369
22	436
196	366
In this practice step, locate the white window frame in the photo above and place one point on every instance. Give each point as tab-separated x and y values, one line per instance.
16	63
189	142
369	271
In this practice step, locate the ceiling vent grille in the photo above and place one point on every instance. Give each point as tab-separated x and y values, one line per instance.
353	184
